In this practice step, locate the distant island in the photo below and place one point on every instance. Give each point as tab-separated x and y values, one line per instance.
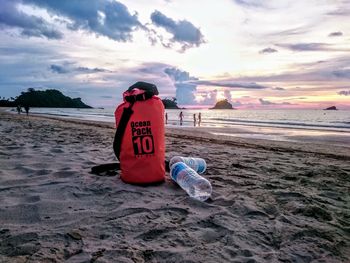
331	108
170	103
50	98
223	105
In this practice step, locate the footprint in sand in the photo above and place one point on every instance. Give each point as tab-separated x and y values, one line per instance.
20	245
56	150
315	212
63	174
32	199
20	214
43	172
170	215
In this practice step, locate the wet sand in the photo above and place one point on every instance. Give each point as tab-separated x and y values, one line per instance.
271	202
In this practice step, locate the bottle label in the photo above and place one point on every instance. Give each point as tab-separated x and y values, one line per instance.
201	166
176	169
197	164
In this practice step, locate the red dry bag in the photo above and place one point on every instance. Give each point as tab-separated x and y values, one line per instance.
139	143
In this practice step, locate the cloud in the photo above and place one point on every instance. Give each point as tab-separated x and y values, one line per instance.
102	17
69	69
107	18
18	50
58	69
210	97
183	31
339	13
236	103
178	75
306	46
268	50
30	25
323	71
342	10
18	71
184	91
291	31
91	70
186	87
152	72
227	95
312	47
267	102
342	73
344	92
335	34
244	85
278	88
249	3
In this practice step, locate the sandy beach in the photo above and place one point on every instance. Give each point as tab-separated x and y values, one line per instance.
272	201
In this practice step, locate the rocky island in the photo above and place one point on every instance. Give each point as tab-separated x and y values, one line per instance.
331	108
222	105
50	98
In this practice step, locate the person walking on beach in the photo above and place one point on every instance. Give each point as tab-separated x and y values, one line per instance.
199	119
166	118
194	120
26	108
181	116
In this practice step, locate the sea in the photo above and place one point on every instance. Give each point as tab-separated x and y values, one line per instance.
261	124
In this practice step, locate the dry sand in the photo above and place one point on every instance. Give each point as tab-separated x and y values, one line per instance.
271	201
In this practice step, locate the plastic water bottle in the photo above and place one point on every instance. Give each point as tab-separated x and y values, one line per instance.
197	164
195	185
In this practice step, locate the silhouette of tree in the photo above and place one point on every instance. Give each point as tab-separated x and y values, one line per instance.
170	103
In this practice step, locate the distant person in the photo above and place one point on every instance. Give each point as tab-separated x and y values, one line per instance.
26	108
18	109
181	116
166	118
199	119
194	120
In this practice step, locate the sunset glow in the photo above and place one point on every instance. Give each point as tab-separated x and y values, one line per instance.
256	54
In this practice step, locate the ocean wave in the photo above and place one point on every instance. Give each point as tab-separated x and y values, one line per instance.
284	123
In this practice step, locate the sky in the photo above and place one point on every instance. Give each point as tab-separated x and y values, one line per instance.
272	54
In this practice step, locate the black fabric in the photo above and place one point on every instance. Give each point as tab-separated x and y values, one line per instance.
98	169
139	97
113	167
144	86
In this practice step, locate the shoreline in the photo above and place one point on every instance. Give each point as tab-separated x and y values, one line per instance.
283	132
220	136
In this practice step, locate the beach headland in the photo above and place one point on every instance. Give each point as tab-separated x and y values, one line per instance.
271	201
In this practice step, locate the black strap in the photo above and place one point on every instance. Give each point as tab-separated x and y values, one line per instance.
98	169
127	112
109	168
